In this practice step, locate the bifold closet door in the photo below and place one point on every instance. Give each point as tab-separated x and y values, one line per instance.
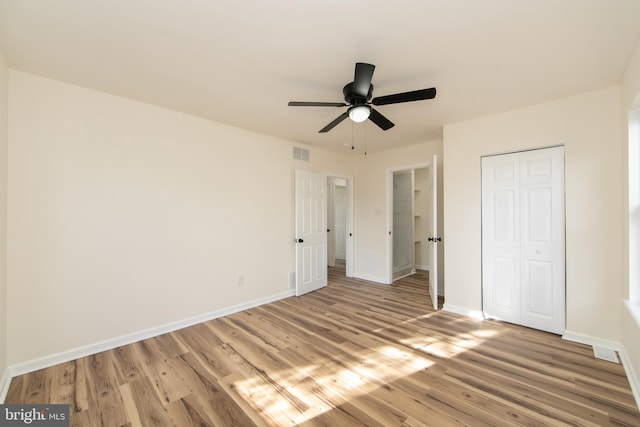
523	248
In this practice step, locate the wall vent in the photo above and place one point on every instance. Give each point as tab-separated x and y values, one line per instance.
605	354
301	154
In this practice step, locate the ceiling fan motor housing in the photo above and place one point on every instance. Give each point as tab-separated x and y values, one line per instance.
354	99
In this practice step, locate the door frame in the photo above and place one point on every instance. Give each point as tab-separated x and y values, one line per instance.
390	172
349	221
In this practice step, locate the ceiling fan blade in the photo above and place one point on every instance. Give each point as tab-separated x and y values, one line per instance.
380	120
362	78
316	104
333	124
415	95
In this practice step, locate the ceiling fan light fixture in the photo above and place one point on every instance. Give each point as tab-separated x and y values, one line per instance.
360	113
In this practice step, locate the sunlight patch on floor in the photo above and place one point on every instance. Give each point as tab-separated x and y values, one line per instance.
262	397
406	322
336	381
449	347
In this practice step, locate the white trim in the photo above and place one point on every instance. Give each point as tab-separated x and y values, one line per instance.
66	356
411	273
368	278
591	340
632	375
5	382
474	314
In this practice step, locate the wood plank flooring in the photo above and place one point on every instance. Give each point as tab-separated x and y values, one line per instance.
352	354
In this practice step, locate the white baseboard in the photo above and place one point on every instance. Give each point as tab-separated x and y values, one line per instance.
463	311
375	279
66	356
5	382
632	375
591	340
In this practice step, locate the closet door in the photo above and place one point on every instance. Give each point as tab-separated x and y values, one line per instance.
523	238
501	237
543	248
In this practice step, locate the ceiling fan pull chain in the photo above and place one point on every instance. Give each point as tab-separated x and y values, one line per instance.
365	139
352	145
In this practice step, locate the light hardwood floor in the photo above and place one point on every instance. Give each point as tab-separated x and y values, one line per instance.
354	353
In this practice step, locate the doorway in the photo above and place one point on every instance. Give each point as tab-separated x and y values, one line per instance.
340	223
416	233
403	224
523	238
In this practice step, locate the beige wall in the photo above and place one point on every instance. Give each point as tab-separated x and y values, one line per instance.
630	326
124	216
3	216
371	230
588	125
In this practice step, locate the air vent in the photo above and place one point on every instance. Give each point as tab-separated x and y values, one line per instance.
605	354
301	154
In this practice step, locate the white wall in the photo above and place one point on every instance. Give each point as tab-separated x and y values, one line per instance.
630	90
588	125
371	231
3	220
124	216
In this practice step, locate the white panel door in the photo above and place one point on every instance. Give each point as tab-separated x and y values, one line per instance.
311	231
523	238
501	237
433	232
543	248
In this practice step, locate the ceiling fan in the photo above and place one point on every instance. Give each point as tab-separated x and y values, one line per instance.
357	95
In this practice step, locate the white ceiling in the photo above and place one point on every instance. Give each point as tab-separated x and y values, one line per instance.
240	62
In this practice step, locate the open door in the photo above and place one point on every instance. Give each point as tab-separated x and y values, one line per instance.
311	231
433	232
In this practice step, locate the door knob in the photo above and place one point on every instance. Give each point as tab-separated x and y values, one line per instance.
300	241
435	239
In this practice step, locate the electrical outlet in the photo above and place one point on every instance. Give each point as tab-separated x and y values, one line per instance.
240	280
